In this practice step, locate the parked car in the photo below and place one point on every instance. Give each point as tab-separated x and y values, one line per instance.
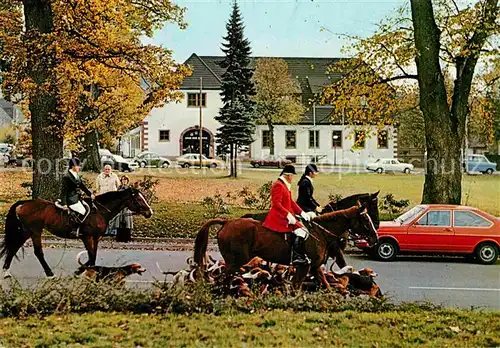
145	159
193	159
443	229
270	161
480	163
389	165
119	163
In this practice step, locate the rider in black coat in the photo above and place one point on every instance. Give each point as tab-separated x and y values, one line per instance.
306	200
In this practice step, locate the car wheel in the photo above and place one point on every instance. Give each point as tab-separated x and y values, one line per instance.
165	165
379	170
256	165
387	250
489	171
487	253
213	165
142	164
407	171
186	165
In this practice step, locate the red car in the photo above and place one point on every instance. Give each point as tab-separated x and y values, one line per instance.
270	161
443	229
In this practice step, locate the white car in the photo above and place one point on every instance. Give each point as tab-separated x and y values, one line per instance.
389	165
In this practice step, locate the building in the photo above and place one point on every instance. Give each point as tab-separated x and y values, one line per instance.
174	129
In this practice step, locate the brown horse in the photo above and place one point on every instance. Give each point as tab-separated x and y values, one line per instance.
27	219
242	239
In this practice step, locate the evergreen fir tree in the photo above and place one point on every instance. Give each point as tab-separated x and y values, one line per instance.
237	115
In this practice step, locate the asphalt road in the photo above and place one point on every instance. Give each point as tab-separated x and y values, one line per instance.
447	281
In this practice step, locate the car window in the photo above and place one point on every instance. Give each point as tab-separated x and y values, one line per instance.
385	162
204	157
394	162
470	219
436	218
410	215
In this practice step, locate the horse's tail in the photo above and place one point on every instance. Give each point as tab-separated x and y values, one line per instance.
13	237
201	241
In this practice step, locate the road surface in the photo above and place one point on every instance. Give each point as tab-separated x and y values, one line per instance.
445	281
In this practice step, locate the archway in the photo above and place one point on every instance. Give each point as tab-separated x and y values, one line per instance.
190	141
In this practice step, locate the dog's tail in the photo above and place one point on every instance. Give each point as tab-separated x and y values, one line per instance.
166	272
201	241
79	258
14	237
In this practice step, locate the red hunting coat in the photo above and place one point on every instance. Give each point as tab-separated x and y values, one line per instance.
281	204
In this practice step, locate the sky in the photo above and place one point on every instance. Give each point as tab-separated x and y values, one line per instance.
275	28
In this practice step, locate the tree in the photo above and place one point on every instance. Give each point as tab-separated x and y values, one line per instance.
276	97
72	49
237	115
434	41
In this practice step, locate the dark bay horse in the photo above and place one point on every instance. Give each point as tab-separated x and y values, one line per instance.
27	219
242	239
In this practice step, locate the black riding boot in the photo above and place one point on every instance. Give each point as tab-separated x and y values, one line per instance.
299	257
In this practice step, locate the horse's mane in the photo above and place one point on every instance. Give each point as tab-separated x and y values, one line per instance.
345	213
352	198
111	196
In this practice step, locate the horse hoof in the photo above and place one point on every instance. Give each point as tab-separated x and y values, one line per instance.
6	275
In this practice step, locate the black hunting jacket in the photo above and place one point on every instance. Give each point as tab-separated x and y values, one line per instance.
69	189
305	200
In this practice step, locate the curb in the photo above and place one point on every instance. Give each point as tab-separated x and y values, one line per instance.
167	244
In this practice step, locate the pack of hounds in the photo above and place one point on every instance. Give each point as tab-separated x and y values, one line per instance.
259	277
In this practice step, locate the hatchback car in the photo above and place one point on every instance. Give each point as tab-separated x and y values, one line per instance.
443	229
119	163
145	159
480	163
382	165
193	159
270	161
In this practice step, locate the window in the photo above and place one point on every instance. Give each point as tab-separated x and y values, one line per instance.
291	139
436	218
337	138
469	219
266	139
194	99
383	139
359	138
314	139
164	135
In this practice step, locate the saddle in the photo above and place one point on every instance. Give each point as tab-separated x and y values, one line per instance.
73	214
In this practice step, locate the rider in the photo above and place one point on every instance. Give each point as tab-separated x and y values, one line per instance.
281	217
306	200
70	198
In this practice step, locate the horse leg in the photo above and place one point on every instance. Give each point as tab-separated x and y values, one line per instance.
320	276
89	246
37	246
340	259
11	253
299	276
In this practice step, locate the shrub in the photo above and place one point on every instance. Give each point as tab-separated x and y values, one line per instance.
70	295
148	188
389	205
215	206
334	197
260	200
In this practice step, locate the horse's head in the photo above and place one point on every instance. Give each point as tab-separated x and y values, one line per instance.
368	199
138	204
372	208
362	226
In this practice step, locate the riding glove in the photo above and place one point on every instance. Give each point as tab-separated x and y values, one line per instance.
291	219
305	216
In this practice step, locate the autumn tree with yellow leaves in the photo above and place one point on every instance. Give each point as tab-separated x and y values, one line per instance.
413	51
82	69
277	95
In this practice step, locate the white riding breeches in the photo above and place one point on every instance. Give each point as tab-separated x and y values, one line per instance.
301	232
78	207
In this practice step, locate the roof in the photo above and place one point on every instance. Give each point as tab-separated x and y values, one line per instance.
311	73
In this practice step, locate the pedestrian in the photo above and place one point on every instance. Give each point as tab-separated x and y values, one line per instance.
107	181
124	222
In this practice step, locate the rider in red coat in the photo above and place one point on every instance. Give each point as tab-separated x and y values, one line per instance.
281	217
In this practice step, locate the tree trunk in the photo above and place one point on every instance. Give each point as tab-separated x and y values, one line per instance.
47	140
231	160
443	177
271	137
90	155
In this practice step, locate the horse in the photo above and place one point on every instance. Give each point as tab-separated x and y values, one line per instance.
242	239
370	200
27	219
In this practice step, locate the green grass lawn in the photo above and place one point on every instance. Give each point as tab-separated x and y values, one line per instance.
441	328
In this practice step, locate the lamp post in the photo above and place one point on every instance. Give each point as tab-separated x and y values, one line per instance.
335	137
